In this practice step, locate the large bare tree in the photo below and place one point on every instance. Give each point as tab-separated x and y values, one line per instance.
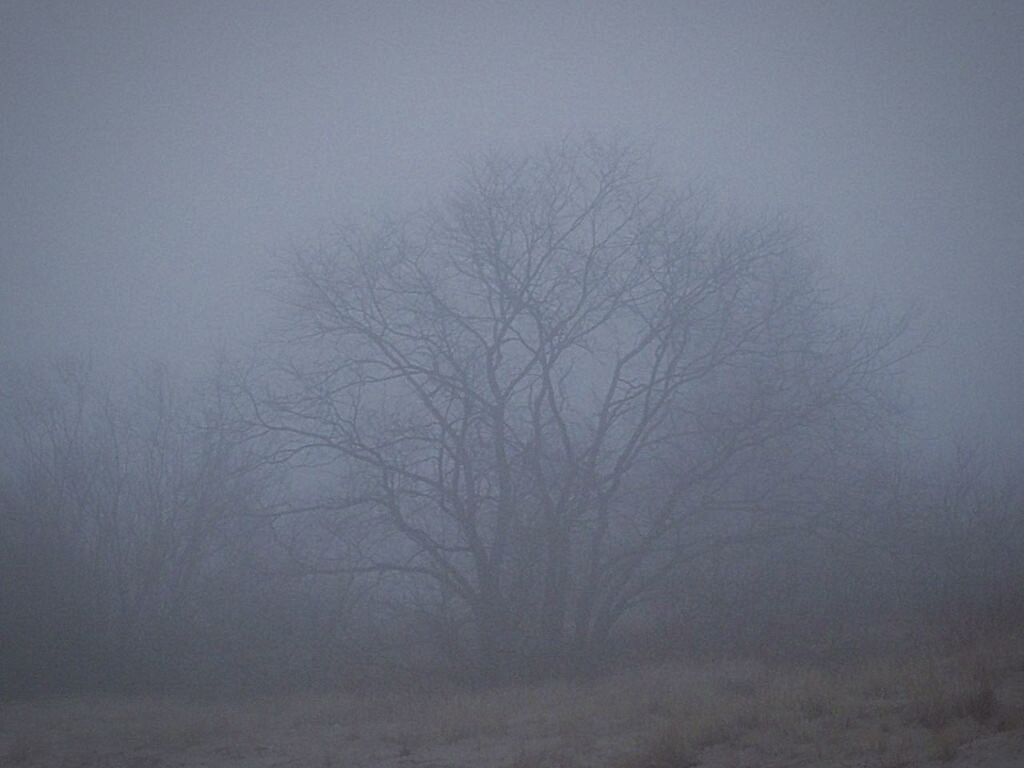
532	397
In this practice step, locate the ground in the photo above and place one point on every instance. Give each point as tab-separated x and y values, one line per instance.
955	709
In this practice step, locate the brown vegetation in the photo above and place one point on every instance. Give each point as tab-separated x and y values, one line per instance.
920	710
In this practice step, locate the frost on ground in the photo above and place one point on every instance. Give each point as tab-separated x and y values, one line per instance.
962	710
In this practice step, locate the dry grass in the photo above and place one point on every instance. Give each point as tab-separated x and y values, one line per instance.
894	713
889	713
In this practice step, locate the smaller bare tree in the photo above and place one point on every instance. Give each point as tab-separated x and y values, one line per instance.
113	519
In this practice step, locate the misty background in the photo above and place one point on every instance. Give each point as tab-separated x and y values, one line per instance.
157	157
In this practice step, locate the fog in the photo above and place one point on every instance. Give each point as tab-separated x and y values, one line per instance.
761	395
155	157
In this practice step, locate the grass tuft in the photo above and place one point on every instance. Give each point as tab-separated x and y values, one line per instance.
669	749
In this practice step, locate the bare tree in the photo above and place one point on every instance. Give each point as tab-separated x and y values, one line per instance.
532	397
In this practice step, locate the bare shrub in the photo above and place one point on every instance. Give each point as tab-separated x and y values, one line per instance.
938	697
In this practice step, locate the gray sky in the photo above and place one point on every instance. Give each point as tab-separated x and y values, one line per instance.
153	156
